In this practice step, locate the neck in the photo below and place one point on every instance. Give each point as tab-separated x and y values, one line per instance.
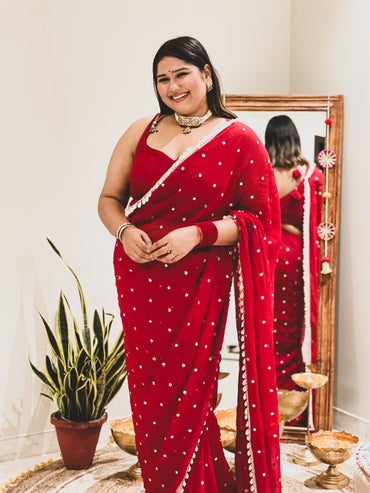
194	115
188	122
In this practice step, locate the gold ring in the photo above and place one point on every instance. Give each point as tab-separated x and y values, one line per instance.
169	252
173	256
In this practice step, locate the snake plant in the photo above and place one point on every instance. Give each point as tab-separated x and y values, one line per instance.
81	373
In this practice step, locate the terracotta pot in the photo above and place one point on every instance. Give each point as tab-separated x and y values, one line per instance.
77	440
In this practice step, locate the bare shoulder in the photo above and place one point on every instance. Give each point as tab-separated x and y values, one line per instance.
140	125
131	137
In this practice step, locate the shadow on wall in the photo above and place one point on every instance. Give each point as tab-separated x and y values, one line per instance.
25	413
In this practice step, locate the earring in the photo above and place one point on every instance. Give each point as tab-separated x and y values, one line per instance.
209	85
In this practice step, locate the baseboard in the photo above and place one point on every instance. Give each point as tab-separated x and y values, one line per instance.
41	443
351	423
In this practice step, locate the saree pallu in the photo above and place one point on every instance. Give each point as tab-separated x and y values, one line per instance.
174	316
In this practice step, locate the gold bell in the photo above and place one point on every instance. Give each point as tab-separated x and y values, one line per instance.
325	267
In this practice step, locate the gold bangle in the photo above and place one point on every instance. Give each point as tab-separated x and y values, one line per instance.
121	229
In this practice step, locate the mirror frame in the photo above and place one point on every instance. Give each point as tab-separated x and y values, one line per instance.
323	409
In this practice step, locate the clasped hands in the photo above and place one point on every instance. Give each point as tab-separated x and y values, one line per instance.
171	248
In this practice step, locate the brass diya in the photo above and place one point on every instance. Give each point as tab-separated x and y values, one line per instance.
292	403
332	448
124	435
226	420
308	381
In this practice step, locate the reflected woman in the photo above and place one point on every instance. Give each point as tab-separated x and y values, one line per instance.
297	273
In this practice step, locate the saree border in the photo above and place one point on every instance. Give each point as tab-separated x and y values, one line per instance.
307	339
240	285
130	209
181	487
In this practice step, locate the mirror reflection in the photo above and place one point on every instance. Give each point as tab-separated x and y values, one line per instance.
293	140
300	185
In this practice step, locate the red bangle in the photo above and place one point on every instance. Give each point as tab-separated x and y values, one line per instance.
208	232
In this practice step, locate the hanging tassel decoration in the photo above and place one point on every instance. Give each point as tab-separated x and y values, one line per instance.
325	266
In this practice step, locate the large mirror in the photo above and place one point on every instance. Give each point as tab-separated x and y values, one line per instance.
319	121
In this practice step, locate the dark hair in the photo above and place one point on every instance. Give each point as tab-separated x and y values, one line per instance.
190	50
283	143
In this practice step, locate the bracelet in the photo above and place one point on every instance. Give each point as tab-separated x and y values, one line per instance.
121	229
208	233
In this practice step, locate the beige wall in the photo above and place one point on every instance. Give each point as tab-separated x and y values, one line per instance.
329	55
75	74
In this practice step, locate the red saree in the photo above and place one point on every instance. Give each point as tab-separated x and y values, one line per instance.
174	316
296	284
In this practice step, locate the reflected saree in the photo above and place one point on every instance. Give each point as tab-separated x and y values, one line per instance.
297	280
174	315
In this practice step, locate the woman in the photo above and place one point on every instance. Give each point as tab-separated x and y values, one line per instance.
297	271
175	254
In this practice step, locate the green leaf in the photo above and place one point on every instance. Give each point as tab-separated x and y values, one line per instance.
62	403
70	381
46	395
112	391
86	395
42	377
100	386
61	372
52	339
87	341
62	329
51	373
75	326
99	334
80	290
118	367
80	361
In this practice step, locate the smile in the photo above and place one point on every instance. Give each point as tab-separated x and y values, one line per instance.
180	97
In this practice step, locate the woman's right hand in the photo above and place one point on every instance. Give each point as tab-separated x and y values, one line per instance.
136	244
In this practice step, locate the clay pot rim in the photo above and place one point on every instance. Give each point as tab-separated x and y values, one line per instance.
57	420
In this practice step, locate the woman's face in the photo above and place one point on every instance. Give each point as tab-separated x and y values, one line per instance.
182	86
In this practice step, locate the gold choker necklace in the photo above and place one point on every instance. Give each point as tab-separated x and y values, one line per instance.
189	122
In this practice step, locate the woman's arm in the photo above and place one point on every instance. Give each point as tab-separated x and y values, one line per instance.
179	242
115	194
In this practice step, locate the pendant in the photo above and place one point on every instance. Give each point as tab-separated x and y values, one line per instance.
186	130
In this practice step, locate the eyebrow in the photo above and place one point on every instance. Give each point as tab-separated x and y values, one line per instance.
173	71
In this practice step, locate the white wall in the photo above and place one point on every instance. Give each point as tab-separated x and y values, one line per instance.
75	74
329	55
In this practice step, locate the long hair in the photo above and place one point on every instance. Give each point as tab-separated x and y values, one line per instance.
283	143
190	50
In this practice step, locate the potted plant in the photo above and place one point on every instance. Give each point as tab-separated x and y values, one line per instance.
82	375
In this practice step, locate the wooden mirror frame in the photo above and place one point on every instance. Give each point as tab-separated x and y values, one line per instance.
323	411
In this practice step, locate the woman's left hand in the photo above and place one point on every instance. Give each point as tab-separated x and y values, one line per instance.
176	244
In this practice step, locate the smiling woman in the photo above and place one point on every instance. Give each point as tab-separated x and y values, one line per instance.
191	197
183	86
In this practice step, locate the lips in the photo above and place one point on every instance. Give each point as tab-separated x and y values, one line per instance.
180	97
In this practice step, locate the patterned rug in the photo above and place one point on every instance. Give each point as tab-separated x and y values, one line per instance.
109	473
